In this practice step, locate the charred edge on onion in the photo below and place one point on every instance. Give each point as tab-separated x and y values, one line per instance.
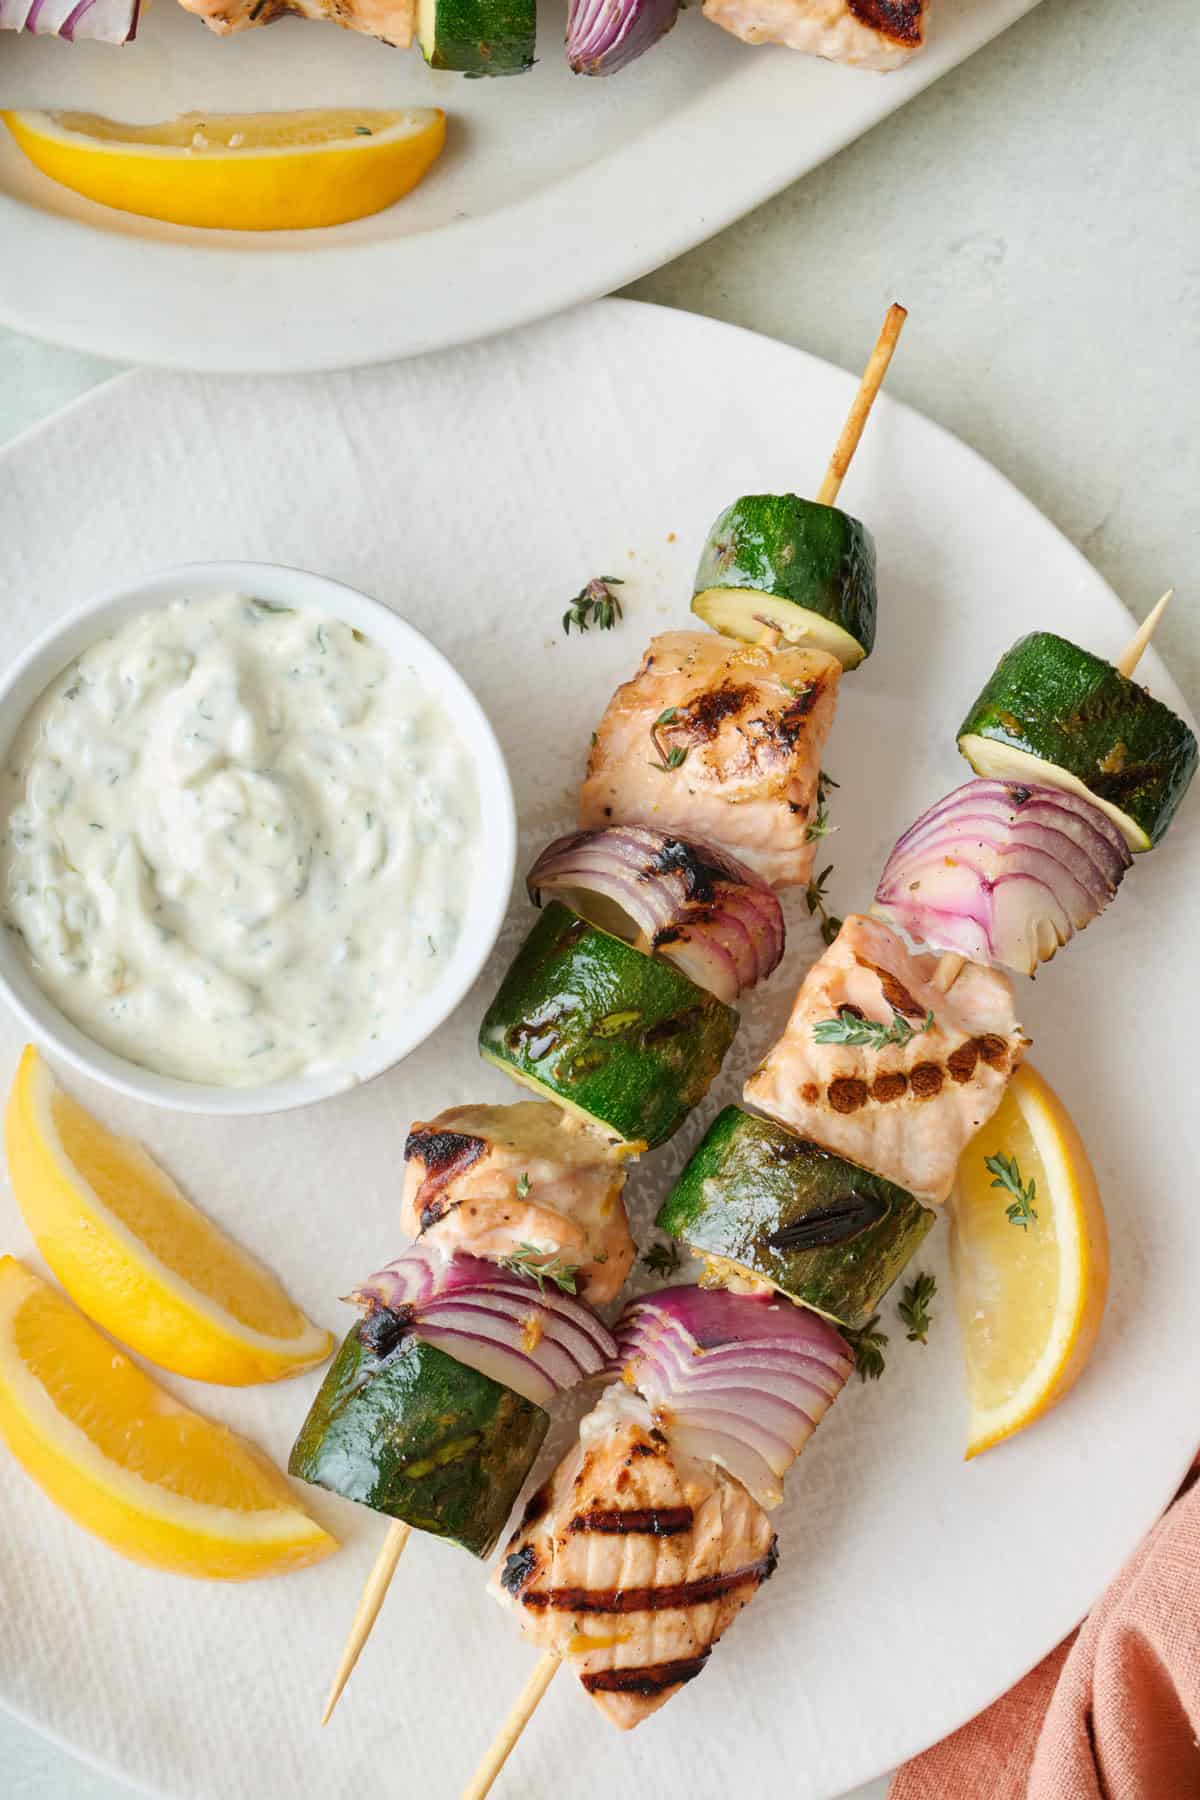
836	1223
383	1328
652	1521
653	1599
701	878
649	1680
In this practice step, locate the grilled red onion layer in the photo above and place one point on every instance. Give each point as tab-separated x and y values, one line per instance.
738	1379
694	906
536	1342
606	35
1001	872
104	21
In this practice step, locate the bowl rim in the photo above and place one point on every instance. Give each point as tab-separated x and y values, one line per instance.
26	679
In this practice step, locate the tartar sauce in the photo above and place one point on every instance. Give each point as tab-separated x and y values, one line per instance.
238	840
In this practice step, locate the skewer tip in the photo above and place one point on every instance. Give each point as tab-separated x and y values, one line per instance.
1131	656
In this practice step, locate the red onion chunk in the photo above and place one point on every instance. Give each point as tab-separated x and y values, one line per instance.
1002	872
692	905
103	21
738	1379
606	35
536	1341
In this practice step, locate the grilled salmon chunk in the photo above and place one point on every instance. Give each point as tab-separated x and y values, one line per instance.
871	34
633	1559
721	742
904	1110
391	20
492	1180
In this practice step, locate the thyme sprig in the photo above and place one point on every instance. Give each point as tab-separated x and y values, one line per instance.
1007	1172
662	1259
819	826
671	756
594	604
527	1260
849	1028
814	899
914	1307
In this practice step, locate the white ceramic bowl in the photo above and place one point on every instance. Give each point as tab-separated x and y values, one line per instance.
495	859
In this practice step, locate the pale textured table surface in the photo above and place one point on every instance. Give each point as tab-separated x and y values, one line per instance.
1037	212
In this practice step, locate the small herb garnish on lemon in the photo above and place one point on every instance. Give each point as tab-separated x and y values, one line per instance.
153	1480
136	1255
238	171
1030	1301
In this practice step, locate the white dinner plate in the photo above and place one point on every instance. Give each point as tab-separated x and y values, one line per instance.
553	188
475	492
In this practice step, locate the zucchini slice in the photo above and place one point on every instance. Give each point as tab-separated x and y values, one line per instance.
779	560
821	1230
622	1041
1056	715
478	37
404	1428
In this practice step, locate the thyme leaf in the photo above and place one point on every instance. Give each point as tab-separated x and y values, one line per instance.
814	899
594	604
914	1307
1007	1172
869	1347
671	756
662	1259
522	1184
848	1028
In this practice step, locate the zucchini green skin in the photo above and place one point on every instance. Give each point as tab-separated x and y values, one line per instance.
1077	713
749	1178
621	1039
478	37
810	569
421	1437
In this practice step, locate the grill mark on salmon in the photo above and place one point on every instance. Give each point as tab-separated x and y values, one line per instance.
653	1679
650	1599
904	1110
659	1521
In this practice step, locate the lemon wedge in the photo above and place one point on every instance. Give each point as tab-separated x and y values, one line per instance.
124	1460
1030	1296
238	172
136	1255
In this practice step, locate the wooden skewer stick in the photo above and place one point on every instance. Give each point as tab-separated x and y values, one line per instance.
951	965
864	400
368	1610
1131	655
505	1739
852	430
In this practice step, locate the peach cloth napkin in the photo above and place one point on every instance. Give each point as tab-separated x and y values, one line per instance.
1112	1714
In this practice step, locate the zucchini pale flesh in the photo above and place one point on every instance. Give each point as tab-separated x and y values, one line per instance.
404	1428
823	1231
808	570
618	1038
1057	715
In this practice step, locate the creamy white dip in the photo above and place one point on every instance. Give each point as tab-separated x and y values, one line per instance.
238	840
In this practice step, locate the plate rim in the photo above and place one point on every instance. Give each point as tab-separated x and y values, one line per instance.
918	1739
124	300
